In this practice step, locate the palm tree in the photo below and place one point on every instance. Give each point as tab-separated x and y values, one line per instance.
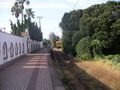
15	10
21	5
30	13
18	8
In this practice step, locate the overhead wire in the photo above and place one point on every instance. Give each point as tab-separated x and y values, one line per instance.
51	17
74	6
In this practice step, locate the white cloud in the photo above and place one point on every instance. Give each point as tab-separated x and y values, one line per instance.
36	5
49	5
85	1
71	1
7	0
82	4
6	4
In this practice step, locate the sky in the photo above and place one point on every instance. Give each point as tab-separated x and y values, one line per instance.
51	12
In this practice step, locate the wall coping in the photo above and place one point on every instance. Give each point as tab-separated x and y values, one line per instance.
11	34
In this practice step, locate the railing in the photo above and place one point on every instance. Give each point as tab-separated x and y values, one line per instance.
12	46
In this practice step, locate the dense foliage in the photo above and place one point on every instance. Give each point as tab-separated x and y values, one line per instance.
84	45
69	25
17	28
99	24
113	60
35	32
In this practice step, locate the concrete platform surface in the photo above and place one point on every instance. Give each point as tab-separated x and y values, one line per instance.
33	72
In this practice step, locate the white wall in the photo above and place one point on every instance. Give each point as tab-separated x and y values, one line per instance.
8	39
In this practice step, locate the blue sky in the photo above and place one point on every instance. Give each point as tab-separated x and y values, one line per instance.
51	11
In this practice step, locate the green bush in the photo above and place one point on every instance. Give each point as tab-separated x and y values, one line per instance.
110	57
67	42
83	48
96	48
113	60
116	58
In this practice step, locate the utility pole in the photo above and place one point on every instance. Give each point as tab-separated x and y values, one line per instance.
4	29
40	17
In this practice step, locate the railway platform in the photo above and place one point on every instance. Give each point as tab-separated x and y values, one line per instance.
32	72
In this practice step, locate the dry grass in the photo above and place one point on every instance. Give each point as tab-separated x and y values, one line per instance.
102	72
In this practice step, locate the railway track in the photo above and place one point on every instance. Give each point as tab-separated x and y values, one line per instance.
60	65
78	79
60	60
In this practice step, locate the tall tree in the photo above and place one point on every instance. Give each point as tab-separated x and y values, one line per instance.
18	8
69	25
30	13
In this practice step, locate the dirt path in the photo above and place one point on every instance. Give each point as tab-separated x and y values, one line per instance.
102	73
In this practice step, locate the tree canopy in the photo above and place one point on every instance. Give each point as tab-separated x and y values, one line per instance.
69	25
100	22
